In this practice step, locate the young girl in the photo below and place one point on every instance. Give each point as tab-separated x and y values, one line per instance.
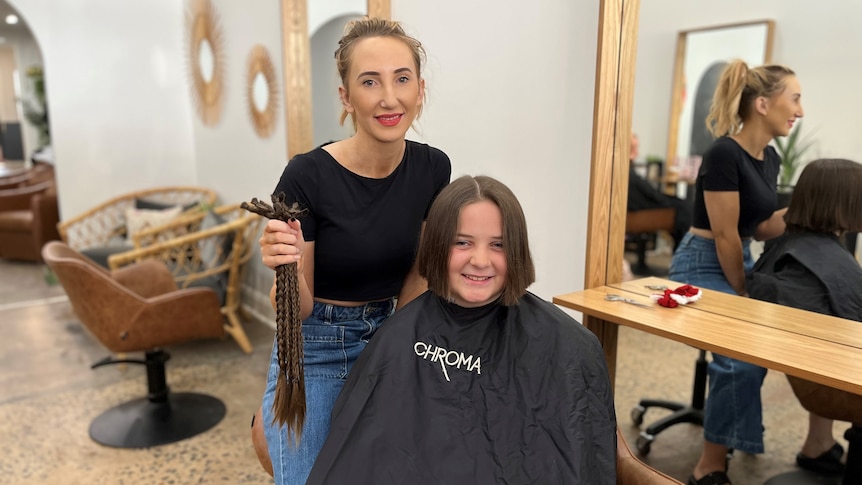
366	197
809	268
477	380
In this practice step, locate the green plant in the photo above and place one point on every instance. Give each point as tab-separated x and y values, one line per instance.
36	112
791	149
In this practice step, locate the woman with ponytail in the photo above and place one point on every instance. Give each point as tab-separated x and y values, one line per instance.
735	201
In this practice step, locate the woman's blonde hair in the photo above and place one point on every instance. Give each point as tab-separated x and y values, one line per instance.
737	89
364	28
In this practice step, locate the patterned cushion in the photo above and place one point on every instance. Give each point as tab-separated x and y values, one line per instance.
138	220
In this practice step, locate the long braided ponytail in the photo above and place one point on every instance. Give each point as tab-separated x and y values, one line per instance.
288	406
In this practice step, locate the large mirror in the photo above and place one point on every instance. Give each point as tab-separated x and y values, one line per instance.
701	55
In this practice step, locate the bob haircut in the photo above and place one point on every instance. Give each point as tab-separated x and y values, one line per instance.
442	224
827	198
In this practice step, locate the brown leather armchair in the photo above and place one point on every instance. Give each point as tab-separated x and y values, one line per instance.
139	309
28	219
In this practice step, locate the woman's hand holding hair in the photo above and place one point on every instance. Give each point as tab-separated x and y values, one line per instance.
282	243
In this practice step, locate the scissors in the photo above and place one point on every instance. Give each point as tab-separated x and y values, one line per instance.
625	300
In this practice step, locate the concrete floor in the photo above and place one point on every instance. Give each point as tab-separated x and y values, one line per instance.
50	395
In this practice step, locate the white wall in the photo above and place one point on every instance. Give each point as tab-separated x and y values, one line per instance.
820	43
510	88
230	157
120	114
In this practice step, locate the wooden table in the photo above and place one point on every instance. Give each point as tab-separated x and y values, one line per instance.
823	349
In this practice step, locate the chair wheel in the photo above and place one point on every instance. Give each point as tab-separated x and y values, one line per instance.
643	444
637	415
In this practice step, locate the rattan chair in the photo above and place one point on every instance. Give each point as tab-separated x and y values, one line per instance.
102	225
208	249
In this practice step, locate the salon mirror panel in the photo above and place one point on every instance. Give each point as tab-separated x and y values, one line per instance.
701	55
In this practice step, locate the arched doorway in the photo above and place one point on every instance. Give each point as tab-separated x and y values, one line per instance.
24	127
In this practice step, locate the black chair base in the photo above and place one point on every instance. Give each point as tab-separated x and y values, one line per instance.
682	413
802	477
143	423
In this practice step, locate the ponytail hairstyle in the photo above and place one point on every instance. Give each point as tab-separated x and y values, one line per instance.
364	28
738	87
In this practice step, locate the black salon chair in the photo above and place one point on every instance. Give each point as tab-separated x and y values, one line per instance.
682	413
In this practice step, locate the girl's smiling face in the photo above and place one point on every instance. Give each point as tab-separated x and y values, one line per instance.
477	260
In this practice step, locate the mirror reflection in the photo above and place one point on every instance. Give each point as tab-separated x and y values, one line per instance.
701	56
206	60
260	92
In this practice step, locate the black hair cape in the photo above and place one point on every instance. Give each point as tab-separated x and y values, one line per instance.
450	395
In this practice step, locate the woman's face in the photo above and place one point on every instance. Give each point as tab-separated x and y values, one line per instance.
785	107
477	260
383	91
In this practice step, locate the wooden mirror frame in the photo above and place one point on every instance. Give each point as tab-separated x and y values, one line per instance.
202	21
260	63
296	49
612	127
679	75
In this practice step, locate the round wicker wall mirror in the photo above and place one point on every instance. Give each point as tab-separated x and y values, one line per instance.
206	60
261	91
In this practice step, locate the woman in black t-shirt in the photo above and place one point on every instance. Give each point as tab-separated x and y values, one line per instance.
735	200
366	197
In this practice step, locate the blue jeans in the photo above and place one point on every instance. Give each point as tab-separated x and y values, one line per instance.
333	338
734	412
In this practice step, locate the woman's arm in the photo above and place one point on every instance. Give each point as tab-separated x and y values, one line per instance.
282	243
722	208
414	285
772	227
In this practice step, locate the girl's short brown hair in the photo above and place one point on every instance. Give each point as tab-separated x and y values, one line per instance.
827	198
442	225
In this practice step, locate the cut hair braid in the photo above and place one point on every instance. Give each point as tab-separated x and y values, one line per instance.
288	407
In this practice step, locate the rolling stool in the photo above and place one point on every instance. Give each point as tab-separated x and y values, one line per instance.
691	413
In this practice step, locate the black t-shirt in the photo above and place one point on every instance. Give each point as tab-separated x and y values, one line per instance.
727	167
365	230
495	394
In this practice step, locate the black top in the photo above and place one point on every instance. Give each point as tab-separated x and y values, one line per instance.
452	395
811	272
366	231
727	167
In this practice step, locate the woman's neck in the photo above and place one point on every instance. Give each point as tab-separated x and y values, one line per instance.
753	139
371	158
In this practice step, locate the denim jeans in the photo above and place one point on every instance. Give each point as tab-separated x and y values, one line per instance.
333	338
733	416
